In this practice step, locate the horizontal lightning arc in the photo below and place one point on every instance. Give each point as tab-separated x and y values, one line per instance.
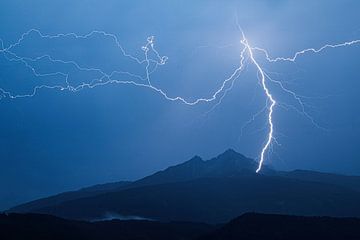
161	60
227	84
302	52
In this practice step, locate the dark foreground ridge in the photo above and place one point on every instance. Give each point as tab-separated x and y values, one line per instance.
45	227
249	226
253	226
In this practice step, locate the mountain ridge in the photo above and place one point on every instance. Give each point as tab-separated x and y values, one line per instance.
162	176
182	193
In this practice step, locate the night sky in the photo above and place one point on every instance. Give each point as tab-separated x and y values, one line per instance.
59	140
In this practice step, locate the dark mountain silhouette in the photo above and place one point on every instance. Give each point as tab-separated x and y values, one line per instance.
280	227
213	191
227	164
352	182
216	200
250	226
68	196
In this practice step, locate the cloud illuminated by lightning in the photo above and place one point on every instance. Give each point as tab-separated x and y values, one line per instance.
150	66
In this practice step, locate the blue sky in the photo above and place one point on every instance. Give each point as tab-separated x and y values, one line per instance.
58	141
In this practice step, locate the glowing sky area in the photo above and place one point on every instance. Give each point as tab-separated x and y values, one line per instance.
60	140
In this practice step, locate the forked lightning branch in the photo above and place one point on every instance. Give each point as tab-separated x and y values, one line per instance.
150	62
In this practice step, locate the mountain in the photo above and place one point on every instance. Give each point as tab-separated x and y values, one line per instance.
215	200
352	182
68	196
280	227
213	191
226	164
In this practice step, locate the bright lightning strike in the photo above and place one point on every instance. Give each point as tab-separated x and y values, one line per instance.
265	76
270	136
151	65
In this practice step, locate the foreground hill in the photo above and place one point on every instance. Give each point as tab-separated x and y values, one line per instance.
212	191
229	163
249	226
44	227
215	200
280	227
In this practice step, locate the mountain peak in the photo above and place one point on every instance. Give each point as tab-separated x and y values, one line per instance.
230	163
231	153
193	162
196	158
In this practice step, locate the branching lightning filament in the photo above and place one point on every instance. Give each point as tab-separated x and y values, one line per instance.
150	62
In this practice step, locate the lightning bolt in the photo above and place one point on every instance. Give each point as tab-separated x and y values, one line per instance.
151	64
298	98
270	97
